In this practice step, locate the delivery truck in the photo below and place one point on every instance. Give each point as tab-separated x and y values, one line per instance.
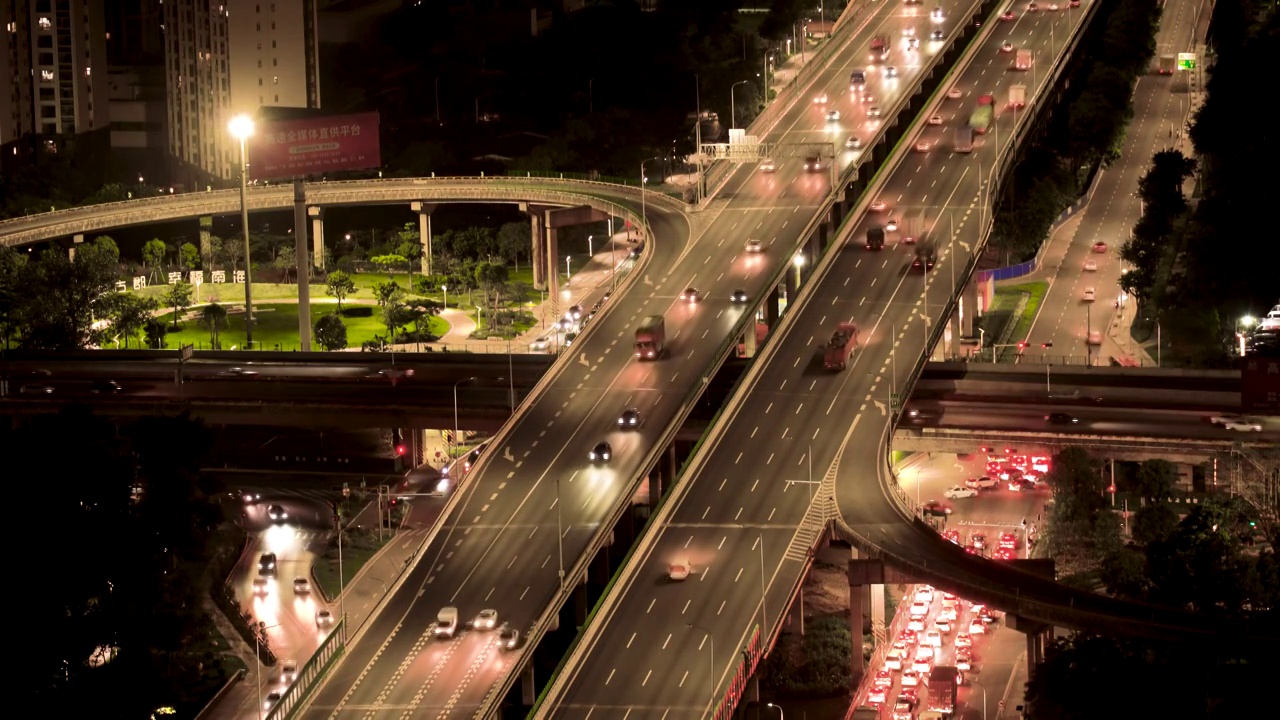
875	238
942	689
1022	60
840	347
982	115
651	338
1018	96
1168	63
913	227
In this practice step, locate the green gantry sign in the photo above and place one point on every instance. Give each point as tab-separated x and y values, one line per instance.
1186	61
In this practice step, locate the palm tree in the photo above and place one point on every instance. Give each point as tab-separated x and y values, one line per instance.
214	317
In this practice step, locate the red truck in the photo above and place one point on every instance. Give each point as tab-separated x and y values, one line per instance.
651	338
879	49
840	347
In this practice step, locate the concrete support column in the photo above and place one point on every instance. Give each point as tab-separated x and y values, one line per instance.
749	338
1033	651
792	285
528	690
552	259
877	612
814	249
655	488
538	256
771	311
581	604
857	665
424	211
317	236
206	243
672	468
967	309
800	603
752	699
303	264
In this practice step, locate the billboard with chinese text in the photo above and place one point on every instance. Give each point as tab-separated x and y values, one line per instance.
281	149
1260	384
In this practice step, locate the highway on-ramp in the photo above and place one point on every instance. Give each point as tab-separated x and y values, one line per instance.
742	520
498	547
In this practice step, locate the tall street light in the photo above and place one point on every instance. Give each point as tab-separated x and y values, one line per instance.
697	130
712	640
241	127
644	189
733	108
257	651
559	532
445	290
984	697
781	715
463	381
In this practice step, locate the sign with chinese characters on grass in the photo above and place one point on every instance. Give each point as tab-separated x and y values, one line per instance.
282	149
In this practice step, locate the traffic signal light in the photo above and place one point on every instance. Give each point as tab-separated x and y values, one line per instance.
1046	345
400	450
1022	346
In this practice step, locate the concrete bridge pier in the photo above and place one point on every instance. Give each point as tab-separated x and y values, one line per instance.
772	309
581	601
1036	633
538	256
316	214
302	263
867	579
528	689
424	211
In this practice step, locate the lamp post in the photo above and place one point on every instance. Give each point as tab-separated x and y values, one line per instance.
445	290
559	532
455	408
644	190
984	697
797	262
733	109
591	248
781	715
697	131
241	128
712	640
257	652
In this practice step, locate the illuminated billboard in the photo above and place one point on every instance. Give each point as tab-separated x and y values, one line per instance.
283	149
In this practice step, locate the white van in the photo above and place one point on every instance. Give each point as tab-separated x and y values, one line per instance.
447	622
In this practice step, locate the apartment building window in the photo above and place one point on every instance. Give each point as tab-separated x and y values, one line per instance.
259	63
275	80
277	98
44	41
45	58
259	82
274	62
45	23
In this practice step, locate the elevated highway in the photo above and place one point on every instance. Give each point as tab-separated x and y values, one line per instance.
797	449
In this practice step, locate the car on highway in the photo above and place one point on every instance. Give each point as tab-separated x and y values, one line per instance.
542	344
936	35
919	609
853	143
982	483
873	111
1091	265
574	312
1095	337
924	594
1032	7
924	146
1090	294
267	564
1073	3
324	619
878	206
1009	540
866	98
952	536
913	44
910	678
738	296
891	72
288	671
301	586
935	119
104	387
1006	47
271	699
876	695
915	624
978	540
1053	7
909	31
508	637
635	252
1225	418
35	389
1004	554
277	513
883	678
820	99
954	93
238	372
754	245
964	659
813	163
486	620
601	453
1099	247
679	570
630	419
959	492
897	654
1243	425
261	586
833	116
936	14
1007	15
1061	418
690	295
768	166
891	225
935	508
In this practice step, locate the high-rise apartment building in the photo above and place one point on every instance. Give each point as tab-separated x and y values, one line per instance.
53	69
225	57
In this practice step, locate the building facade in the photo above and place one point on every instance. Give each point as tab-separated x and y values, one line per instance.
226	57
53	70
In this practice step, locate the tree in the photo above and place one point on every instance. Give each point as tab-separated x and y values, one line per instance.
1154	523
156	332
153	254
492	278
1156	479
179	298
340	285
1124	573
515	241
1076	482
106	245
189	256
388	263
214	317
61	299
390	297
129	313
331	332
11	291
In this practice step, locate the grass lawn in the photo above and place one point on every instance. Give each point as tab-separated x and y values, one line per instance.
354	557
1035	297
276	326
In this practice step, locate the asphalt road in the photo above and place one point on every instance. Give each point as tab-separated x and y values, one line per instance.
1160	108
1099	420
645	656
499	549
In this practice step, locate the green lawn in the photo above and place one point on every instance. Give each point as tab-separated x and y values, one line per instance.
1035	297
354	557
276	326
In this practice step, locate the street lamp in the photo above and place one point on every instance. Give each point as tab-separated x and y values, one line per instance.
445	290
559	532
798	262
644	182
712	639
241	127
455	408
591	250
257	652
781	715
984	697
733	109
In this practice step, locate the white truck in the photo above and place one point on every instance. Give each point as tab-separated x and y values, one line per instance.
446	622
1168	63
913	227
1018	96
1022	61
